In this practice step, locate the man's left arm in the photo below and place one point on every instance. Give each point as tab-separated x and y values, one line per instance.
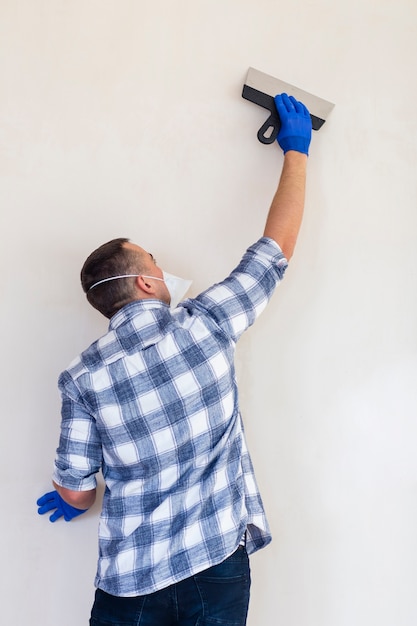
78	499
65	503
78	459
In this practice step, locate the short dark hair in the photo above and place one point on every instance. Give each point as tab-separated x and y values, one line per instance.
111	259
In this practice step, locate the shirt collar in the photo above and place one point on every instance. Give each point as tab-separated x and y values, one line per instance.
136	308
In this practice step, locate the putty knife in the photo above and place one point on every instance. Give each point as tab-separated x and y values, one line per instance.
261	89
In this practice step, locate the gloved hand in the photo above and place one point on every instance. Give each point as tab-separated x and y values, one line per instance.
52	500
295	131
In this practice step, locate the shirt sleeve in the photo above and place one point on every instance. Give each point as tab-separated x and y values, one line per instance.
79	455
236	302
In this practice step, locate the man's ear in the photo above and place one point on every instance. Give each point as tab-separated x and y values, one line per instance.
145	285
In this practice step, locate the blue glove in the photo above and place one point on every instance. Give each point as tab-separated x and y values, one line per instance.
295	131
53	500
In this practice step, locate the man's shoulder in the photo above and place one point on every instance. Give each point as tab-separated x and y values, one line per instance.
89	359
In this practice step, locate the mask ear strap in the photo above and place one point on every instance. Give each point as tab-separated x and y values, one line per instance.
153	277
106	280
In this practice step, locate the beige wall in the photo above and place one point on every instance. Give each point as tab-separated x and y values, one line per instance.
125	119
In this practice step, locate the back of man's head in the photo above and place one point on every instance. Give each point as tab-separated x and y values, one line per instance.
113	258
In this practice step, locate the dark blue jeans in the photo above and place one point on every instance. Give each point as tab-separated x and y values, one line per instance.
218	596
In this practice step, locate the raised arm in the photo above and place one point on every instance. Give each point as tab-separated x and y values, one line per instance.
286	211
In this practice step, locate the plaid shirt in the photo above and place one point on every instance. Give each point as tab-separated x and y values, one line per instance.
154	405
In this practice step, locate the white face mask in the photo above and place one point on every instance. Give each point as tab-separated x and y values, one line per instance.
177	287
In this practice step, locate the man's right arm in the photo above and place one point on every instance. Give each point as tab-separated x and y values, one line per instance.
286	212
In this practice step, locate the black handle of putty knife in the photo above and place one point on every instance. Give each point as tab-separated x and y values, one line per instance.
269	130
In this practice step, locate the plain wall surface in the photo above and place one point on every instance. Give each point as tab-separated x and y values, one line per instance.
126	119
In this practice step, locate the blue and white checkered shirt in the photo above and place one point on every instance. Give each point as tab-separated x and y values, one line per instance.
154	404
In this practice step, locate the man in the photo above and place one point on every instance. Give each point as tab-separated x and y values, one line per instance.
154	405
